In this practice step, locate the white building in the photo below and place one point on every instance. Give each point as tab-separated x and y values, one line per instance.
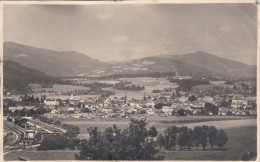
150	112
167	110
51	102
21	108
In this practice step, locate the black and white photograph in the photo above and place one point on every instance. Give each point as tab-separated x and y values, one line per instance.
130	81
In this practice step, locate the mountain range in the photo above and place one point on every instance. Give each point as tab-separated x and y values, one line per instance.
71	63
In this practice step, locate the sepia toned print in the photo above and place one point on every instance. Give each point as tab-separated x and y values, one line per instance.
130	82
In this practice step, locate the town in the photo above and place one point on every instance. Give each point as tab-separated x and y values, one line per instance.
43	111
214	98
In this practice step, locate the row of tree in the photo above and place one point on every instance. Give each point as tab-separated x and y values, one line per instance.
185	137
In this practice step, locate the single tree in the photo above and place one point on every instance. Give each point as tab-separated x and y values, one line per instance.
160	140
204	136
152	132
183	136
212	134
222	139
197	136
171	136
190	138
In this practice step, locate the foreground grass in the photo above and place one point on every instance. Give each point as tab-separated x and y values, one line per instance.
241	140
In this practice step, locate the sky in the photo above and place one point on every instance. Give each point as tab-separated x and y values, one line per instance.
120	32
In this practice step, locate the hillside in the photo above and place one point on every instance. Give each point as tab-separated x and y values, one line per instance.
217	64
53	63
187	64
151	65
17	77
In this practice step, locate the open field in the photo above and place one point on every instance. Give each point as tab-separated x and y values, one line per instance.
220	123
57	88
241	140
228	124
148	82
192	119
151	83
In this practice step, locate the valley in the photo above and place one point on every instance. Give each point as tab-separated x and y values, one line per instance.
194	90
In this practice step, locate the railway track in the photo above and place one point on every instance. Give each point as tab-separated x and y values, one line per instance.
17	130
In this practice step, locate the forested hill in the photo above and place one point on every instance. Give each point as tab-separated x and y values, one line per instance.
17	76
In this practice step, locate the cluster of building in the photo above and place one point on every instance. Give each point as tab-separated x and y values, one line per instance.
124	108
172	103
